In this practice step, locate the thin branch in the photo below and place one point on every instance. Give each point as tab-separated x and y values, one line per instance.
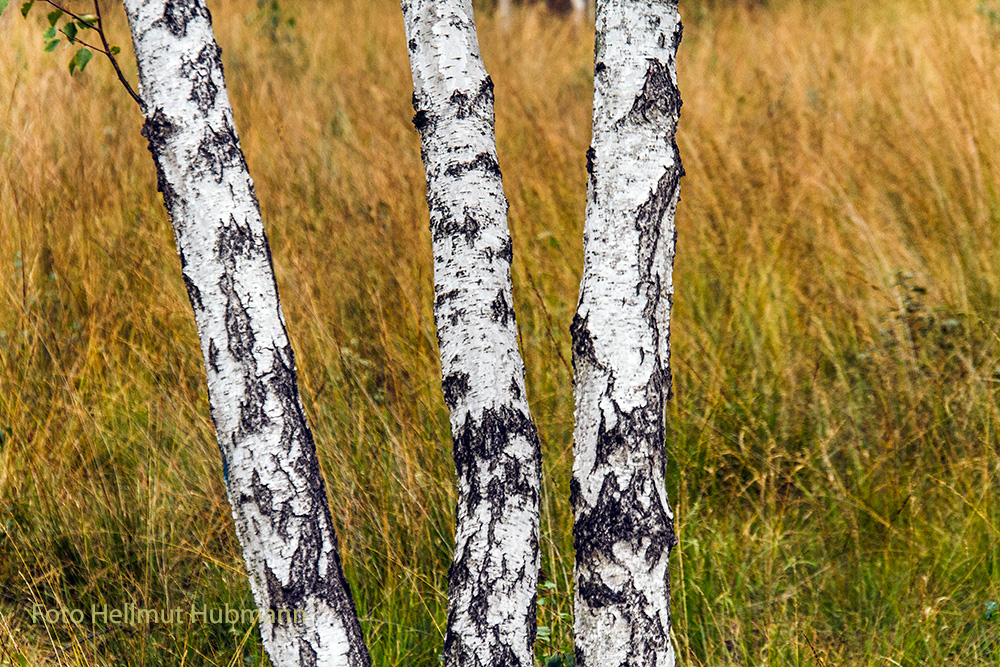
77	40
99	27
78	18
114	62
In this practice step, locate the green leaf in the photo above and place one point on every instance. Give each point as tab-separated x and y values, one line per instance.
51	46
554	661
3	5
54	16
115	50
50	33
992	609
82	57
26	7
70	30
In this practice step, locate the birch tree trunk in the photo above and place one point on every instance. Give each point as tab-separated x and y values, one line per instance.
494	575
623	528
269	460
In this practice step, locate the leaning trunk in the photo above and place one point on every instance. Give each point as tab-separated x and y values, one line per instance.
307	615
623	528
493	578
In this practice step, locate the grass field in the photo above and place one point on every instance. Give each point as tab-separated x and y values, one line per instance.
833	440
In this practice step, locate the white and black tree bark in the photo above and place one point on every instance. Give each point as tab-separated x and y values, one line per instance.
494	575
623	529
269	459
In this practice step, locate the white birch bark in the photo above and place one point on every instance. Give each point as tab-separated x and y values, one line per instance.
269	460
623	528
494	575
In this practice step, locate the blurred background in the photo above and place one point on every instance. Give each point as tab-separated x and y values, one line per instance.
833	438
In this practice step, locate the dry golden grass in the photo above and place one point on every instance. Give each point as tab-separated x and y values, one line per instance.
833	439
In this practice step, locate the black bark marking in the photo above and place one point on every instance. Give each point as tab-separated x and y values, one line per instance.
424	122
591	154
253	419
283	383
194	294
639	430
219	149
307	655
485	92
515	389
158	130
501	311
460	100
177	14
659	99
237	241
213	356
411	45
455	387
448	225
446	297
631	515
199	71
461	23
240	340
260	493
583	344
484	440
484	162
421	121
650	215
597	594
239	330
649	219
479	103
507	250
453	318
678	34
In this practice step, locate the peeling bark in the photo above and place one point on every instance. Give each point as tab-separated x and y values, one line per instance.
269	459
623	529
494	575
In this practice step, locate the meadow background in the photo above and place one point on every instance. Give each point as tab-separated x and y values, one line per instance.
833	438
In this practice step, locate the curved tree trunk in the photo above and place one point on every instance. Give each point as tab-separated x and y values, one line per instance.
493	579
623	528
269	459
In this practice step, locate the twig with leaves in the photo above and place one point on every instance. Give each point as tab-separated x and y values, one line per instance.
71	30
